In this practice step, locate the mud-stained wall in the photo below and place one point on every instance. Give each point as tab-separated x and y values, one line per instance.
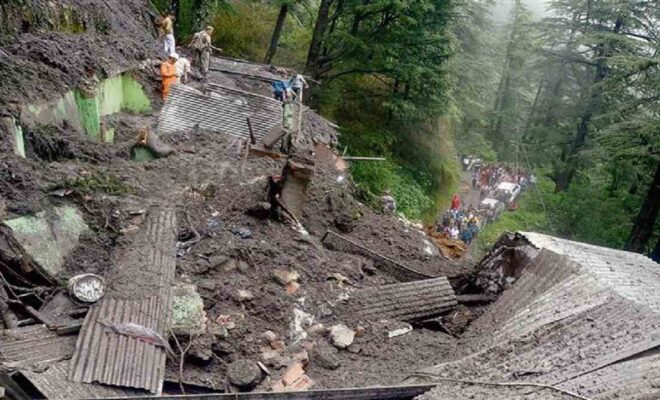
83	110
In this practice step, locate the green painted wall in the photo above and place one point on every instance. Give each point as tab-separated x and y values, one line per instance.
82	111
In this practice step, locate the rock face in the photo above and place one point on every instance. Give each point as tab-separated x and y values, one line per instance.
49	236
341	336
244	373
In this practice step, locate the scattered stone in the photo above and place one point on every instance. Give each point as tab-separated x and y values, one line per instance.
226	321
218	261
200	353
354	348
269	355
302	357
245	295
243	233
243	267
325	310
293	373
223	348
244	373
207	284
292	287
318	329
341	336
269	336
217	330
281	276
278	345
360	331
326	357
344	223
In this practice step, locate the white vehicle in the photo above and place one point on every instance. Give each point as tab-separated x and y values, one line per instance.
489	202
509	191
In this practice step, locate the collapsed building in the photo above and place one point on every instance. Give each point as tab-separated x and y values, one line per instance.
245	261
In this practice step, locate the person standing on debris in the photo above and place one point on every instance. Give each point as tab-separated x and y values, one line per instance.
168	73
182	70
202	45
166	29
389	204
281	87
297	84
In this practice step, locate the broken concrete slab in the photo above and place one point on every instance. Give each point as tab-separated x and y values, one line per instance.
188	315
49	236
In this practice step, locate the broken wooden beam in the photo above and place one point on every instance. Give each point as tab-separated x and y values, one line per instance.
409	302
387	265
364	158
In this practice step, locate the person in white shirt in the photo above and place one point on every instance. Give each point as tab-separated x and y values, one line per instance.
182	70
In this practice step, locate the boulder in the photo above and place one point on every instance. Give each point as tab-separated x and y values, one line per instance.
341	336
244	373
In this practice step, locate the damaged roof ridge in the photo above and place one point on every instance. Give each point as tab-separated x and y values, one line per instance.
212	85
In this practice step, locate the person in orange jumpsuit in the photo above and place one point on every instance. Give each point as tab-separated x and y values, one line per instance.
168	73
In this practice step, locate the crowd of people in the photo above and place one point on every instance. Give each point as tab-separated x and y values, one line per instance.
499	184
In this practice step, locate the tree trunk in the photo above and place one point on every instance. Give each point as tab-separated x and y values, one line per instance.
277	32
643	227
568	173
315	47
175	5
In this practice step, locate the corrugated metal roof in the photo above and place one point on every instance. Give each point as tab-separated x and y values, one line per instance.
140	292
224	111
34	344
572	321
403	301
634	276
244	67
52	382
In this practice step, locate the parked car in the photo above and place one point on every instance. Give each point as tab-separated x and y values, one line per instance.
507	192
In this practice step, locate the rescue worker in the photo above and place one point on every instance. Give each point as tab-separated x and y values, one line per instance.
201	44
182	70
167	33
168	73
297	83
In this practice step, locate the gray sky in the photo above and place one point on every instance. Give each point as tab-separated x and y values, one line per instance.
501	11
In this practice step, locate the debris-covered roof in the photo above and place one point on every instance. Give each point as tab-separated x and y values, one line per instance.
575	319
141	294
224	110
632	275
34	344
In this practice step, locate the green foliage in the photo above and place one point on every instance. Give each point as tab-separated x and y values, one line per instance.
98	182
244	30
373	178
